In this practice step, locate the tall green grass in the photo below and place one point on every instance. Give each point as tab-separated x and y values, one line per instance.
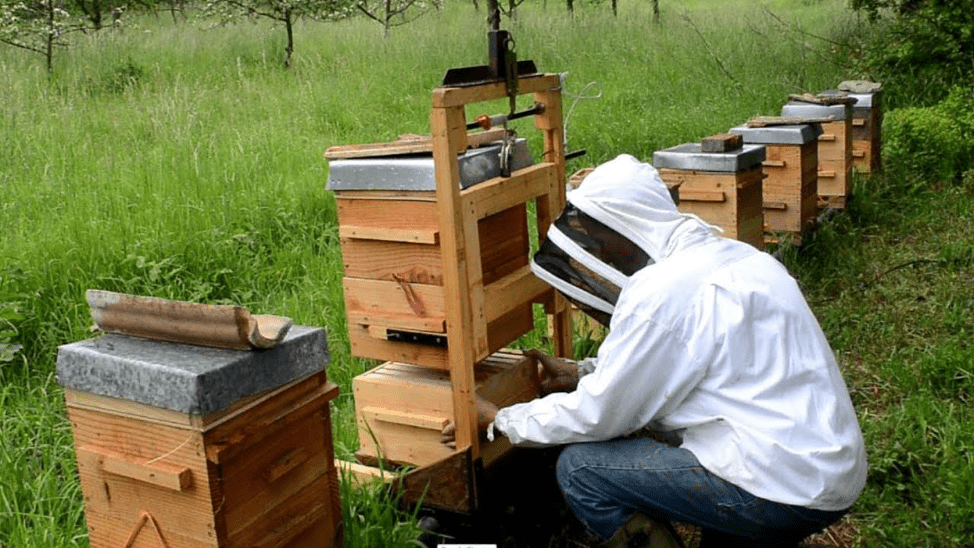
183	161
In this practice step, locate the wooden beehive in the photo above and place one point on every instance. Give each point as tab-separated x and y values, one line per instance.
834	149
790	186
393	260
724	189
259	472
402	408
867	124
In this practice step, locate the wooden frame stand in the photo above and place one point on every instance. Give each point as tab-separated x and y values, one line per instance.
479	300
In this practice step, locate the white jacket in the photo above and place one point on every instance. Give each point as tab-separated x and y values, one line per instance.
716	340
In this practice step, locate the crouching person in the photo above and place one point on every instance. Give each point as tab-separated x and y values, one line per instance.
709	339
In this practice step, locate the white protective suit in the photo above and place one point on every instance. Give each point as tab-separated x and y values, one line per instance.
716	340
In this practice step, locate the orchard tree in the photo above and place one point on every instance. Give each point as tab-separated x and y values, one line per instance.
287	12
40	26
392	13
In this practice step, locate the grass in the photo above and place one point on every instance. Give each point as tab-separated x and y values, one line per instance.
184	161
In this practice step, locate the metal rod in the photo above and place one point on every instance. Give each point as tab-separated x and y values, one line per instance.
487	122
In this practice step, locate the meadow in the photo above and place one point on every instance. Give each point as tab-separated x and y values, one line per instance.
182	160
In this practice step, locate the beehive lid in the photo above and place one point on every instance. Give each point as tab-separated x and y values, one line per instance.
690	157
416	172
866	101
801	109
187	378
792	134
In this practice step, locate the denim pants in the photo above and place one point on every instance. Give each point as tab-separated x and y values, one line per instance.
606	482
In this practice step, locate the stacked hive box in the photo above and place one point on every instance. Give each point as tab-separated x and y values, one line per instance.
834	148
790	186
867	124
723	188
183	445
390	238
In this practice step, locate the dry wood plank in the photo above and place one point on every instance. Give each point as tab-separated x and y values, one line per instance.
446	97
386	234
405	145
721	143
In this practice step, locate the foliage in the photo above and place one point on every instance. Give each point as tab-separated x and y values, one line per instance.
930	145
926	46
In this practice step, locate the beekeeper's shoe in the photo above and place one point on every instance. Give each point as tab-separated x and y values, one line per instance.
641	531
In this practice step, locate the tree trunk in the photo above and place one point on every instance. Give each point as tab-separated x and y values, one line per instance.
615	8
656	11
289	24
51	32
570	4
387	18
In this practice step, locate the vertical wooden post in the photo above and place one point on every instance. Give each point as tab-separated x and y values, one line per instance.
550	206
459	244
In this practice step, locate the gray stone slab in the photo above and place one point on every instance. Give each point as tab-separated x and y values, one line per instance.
187	378
417	173
690	157
811	110
795	134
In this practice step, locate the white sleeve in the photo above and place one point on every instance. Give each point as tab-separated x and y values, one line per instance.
643	371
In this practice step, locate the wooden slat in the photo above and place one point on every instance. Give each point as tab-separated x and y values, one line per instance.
455	97
702	196
499	194
774	163
425	421
387	234
516	289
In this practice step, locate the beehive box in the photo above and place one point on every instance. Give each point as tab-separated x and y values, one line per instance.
187	446
834	149
402	408
724	189
867	137
790	186
389	232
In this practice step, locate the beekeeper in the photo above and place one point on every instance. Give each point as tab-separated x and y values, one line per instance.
712	341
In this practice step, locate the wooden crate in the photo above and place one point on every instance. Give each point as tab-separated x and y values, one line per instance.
261	473
402	408
393	285
729	200
835	163
790	187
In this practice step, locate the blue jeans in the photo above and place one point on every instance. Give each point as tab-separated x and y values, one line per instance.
606	482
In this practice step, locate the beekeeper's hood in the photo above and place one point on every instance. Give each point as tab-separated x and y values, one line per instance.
621	219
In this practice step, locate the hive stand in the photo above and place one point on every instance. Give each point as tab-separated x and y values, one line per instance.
482	284
469	302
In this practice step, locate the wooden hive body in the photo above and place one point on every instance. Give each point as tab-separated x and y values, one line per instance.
729	200
867	124
835	163
791	187
402	408
393	285
259	474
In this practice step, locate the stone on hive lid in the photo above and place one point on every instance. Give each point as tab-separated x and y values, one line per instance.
689	156
187	378
793	134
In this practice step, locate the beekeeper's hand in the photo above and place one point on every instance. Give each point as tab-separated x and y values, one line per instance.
486	411
557	374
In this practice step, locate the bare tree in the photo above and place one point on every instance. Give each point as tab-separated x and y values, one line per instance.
392	13
39	27
287	12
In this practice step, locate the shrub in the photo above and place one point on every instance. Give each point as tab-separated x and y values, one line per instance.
922	146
